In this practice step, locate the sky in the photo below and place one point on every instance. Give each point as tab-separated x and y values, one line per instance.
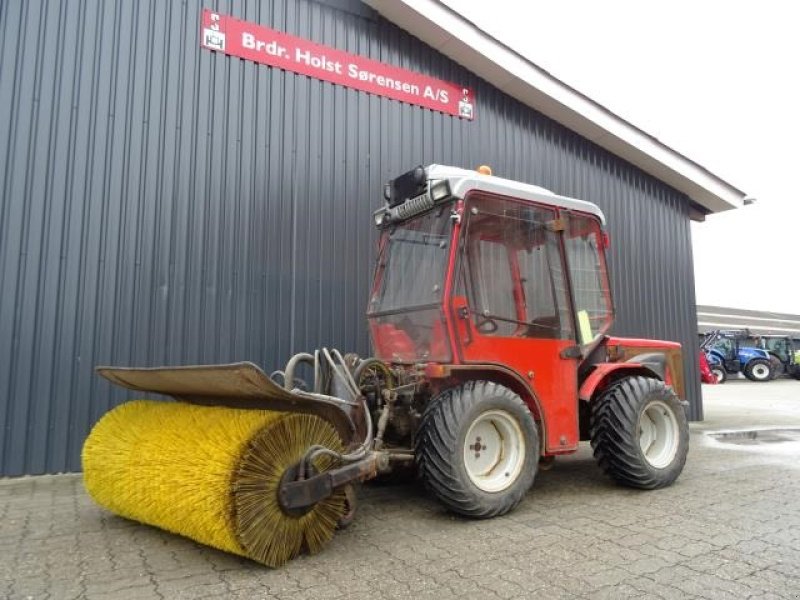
717	81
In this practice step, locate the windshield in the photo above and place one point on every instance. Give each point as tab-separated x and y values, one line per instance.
412	262
404	310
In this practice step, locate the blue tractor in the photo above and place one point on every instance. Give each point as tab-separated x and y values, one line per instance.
727	356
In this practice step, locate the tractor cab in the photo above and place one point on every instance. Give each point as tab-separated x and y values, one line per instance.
478	275
512	260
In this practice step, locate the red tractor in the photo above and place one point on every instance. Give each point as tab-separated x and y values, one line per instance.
489	316
492	299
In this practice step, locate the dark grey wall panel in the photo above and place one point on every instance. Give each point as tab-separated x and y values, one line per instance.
162	204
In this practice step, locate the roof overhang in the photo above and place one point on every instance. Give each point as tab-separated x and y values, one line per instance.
461	40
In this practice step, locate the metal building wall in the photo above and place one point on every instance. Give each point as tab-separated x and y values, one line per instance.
162	204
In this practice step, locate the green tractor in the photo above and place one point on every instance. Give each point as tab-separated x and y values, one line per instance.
784	353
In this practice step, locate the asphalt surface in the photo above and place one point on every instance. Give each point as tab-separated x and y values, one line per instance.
729	528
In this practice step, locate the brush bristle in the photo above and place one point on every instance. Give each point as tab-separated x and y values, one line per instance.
210	474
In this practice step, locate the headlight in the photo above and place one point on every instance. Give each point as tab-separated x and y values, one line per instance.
379	217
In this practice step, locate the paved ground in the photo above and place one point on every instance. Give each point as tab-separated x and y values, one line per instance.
729	528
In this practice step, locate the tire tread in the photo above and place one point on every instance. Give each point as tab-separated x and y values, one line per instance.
437	450
614	432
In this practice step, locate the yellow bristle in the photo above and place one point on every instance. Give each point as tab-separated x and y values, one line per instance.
210	474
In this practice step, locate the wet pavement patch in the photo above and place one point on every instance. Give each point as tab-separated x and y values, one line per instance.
754	437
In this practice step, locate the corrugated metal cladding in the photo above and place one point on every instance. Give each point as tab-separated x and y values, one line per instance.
163	204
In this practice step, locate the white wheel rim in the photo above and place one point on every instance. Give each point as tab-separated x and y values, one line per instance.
760	371
494	451
658	434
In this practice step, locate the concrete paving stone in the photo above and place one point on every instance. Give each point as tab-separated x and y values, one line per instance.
613	576
111	585
653	589
615	592
29	586
66	589
708	585
134	593
500	586
552	592
311	594
249	593
470	588
197	592
644	566
525	580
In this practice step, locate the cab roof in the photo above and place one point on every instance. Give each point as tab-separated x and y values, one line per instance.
463	181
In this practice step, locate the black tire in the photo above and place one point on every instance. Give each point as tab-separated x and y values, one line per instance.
617	428
777	367
441	443
759	370
719	373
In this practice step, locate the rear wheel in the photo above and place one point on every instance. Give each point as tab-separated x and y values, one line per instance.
639	433
477	449
758	369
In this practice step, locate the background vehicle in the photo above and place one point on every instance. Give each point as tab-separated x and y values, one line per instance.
727	355
706	374
784	352
489	316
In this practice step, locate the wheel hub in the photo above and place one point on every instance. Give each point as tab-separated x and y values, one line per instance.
659	434
477	447
494	451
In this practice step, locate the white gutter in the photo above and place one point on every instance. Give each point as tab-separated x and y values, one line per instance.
457	38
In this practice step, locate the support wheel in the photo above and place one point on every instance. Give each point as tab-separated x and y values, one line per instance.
758	369
639	433
477	449
719	373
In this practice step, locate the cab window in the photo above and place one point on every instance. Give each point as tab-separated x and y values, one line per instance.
583	243
513	272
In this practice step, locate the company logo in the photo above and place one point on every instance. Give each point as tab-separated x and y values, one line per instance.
465	110
212	36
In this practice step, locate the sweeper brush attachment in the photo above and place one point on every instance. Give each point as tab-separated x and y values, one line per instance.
211	474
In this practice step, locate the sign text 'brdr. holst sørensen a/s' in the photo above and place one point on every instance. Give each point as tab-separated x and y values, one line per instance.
266	46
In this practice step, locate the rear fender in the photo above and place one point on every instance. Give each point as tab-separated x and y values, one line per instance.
605	374
460	374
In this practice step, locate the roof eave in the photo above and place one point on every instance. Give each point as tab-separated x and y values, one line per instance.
462	41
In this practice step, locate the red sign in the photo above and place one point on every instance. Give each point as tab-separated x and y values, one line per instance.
269	47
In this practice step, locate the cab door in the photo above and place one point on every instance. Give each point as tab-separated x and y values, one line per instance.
512	309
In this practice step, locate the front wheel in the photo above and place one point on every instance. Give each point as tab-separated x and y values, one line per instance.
639	433
477	449
758	369
719	373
